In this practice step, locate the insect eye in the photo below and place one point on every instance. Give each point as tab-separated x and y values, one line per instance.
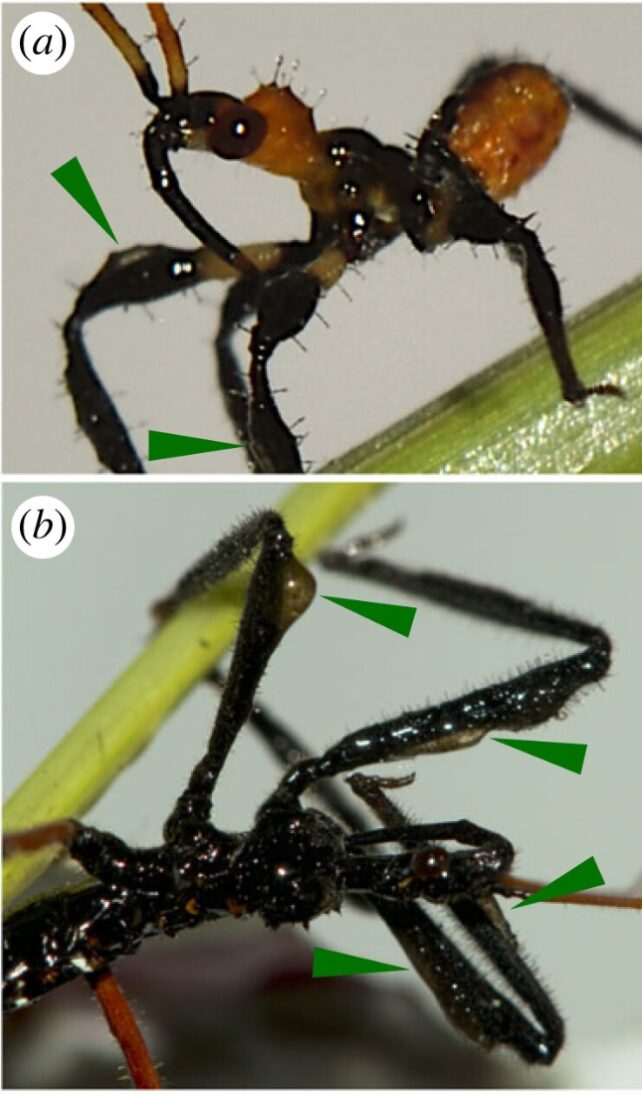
237	131
430	862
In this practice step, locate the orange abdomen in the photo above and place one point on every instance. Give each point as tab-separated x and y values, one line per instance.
509	123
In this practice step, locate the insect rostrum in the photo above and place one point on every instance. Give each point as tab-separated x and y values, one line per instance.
297	862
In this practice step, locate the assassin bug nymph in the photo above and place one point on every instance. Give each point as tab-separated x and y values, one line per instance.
295	862
493	133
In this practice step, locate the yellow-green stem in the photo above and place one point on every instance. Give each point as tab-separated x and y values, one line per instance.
512	419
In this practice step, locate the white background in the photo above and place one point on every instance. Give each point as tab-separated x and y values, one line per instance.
415	325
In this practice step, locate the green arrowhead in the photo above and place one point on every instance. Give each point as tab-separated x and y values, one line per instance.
162	446
72	178
564	754
586	876
398	618
335	964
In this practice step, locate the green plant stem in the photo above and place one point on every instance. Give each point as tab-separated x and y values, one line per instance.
511	417
124	720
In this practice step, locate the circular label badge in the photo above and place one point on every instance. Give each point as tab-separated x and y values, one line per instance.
43	43
43	527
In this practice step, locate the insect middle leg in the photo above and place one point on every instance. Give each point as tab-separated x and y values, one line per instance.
283	302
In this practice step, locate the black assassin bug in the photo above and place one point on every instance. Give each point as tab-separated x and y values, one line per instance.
296	862
496	129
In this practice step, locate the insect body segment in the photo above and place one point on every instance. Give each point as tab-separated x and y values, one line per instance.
296	863
504	123
490	136
291	145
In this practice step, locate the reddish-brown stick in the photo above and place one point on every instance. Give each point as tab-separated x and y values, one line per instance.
125	1029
